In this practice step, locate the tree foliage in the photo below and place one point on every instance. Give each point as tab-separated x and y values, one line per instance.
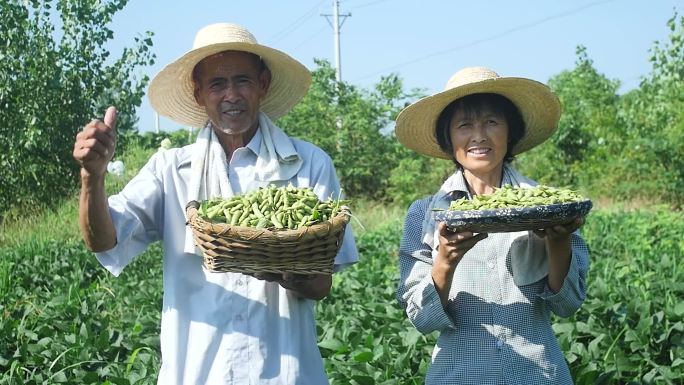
586	129
353	126
626	148
654	120
56	75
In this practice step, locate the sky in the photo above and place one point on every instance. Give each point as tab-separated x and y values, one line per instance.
424	42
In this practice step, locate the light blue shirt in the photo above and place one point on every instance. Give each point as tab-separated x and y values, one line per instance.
221	328
492	330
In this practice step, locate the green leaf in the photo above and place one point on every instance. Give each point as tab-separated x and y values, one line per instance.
83	331
59	377
331	344
679	309
364	380
364	356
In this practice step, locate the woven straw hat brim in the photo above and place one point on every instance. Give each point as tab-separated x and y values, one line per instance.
171	92
538	105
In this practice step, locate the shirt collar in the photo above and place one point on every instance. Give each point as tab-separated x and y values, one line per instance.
460	187
255	143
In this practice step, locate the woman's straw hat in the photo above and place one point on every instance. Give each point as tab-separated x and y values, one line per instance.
171	91
538	105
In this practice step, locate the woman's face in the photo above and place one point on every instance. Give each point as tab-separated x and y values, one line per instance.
480	140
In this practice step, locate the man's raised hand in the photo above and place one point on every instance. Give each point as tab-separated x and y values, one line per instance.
95	144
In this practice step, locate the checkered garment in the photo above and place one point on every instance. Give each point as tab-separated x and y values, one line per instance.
492	331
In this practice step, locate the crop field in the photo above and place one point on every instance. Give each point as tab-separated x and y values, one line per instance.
64	319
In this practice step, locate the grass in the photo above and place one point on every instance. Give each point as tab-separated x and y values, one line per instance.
62	222
371	215
41	225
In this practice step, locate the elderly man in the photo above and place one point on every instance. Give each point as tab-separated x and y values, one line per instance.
217	328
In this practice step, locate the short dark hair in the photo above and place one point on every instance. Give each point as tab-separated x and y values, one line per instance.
258	61
473	105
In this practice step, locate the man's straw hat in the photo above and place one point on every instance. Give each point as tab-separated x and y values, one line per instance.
171	91
538	105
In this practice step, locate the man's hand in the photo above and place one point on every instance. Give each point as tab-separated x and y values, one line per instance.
93	150
95	145
311	286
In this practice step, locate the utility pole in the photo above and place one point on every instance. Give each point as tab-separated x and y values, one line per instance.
336	24
156	122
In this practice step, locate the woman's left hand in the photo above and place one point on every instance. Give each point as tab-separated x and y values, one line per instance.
559	250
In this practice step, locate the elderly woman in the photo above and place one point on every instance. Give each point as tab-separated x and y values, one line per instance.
490	296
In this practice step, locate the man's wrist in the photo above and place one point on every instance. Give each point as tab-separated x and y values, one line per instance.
89	178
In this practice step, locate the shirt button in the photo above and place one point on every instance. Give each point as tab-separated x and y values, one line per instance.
490	265
238	317
239	282
499	344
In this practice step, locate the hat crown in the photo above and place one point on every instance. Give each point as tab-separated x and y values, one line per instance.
222	33
470	75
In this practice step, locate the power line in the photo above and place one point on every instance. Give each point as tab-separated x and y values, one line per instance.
494	37
369	4
296	24
315	34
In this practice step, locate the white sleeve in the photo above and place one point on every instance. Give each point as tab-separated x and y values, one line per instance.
326	184
136	213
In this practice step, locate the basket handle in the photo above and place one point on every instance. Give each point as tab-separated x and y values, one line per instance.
191	211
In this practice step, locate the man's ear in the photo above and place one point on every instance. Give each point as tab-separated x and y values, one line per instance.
265	81
196	94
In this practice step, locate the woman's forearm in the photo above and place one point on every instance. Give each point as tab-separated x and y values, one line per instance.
559	252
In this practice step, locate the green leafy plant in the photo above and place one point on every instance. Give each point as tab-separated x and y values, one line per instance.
53	80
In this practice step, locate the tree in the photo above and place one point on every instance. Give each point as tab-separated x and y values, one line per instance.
621	147
580	152
654	118
52	81
353	126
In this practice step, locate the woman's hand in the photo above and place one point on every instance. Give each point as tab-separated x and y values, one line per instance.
559	250
560	232
452	246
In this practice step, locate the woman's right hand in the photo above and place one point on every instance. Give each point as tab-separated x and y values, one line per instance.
453	245
451	249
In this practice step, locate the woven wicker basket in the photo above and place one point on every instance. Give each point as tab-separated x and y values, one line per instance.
241	249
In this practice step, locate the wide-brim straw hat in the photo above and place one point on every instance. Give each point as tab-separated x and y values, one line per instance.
538	105
171	92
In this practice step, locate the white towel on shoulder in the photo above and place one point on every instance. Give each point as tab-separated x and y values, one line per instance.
277	160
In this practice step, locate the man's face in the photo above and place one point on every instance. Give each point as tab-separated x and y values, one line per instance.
230	86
